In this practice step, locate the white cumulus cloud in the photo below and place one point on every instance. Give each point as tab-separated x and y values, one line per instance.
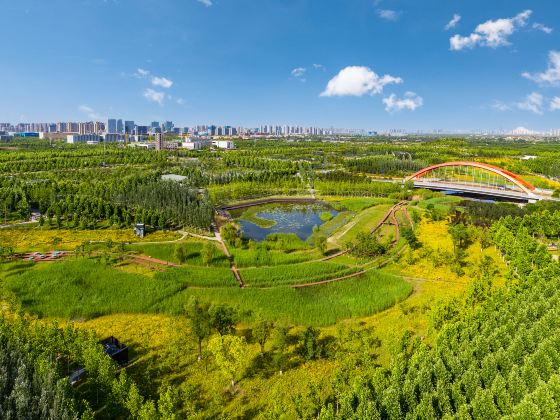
453	22
501	106
207	3
551	75
141	73
90	112
299	73
492	33
162	82
154	96
388	14
555	104
411	101
533	103
542	28
358	81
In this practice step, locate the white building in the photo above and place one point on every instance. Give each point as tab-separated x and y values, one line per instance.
143	145
223	144
135	138
111	137
192	145
83	138
196	143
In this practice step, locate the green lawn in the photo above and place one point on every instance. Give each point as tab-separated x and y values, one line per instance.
85	289
358	204
191	248
318	305
262	257
295	273
444	202
364	222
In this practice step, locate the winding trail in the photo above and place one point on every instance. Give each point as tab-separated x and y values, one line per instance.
234	269
389	215
375	263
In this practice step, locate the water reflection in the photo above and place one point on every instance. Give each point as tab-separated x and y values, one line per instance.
290	218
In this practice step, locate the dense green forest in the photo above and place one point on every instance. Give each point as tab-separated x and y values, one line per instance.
398	303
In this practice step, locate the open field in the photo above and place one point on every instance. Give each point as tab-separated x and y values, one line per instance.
322	305
83	288
191	249
365	221
295	273
43	239
262	257
86	288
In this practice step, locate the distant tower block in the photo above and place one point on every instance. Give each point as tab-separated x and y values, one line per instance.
159	141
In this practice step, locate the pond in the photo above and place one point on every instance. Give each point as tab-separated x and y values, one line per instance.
260	221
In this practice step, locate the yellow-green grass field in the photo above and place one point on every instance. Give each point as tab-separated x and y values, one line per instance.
23	239
365	221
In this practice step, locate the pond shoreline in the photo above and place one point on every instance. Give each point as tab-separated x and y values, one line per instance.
283	217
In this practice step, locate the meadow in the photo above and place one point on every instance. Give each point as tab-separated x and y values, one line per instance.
365	221
317	305
24	238
307	272
84	289
191	250
261	256
87	288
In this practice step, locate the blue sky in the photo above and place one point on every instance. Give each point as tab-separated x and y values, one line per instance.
348	63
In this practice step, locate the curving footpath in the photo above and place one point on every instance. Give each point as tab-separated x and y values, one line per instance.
382	261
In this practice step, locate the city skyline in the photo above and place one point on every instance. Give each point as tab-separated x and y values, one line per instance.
120	126
372	65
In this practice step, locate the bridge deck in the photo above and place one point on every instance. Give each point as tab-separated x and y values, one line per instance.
482	190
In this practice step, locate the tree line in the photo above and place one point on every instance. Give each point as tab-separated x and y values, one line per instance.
496	353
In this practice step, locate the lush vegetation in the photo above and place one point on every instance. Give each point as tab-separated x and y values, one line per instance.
451	314
35	361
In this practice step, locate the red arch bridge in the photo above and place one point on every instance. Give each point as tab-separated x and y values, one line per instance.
478	178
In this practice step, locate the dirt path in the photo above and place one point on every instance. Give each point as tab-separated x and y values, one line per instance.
318	283
143	263
234	269
389	215
410	221
376	262
153	260
269	201
334	238
195	235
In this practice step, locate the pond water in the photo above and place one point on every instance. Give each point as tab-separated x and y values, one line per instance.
288	218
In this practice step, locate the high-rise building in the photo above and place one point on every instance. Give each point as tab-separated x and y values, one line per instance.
120	127
98	127
159	142
111	126
129	127
168	126
154	124
72	127
86	128
141	130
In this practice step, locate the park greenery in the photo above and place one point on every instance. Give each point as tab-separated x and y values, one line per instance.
400	303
